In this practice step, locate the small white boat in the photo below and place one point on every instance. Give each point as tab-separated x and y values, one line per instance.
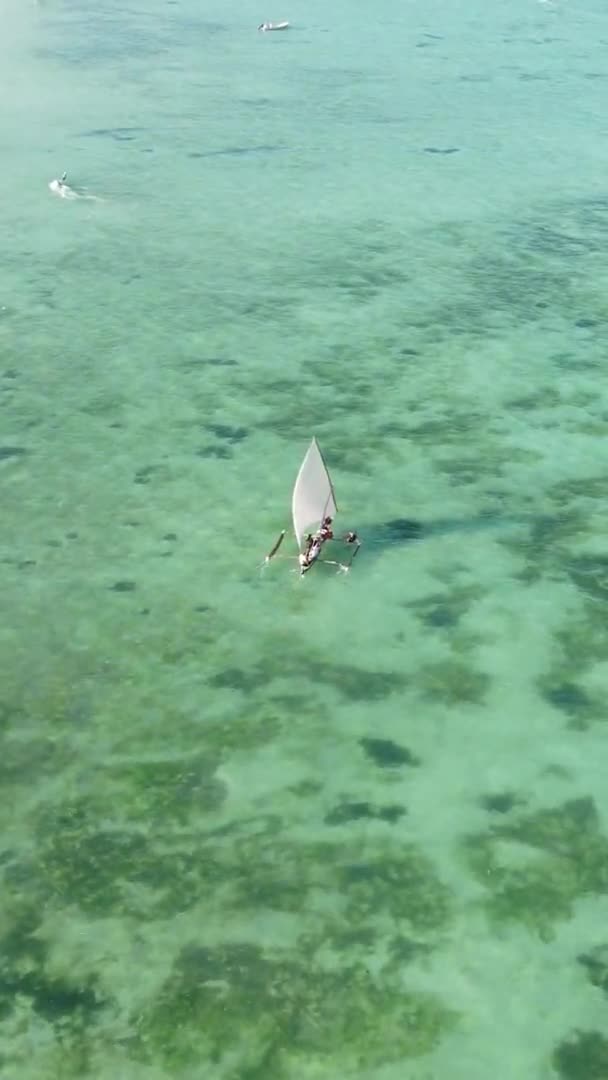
64	191
313	507
59	187
273	26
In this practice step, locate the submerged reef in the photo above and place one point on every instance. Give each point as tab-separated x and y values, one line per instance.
134	839
388	754
582	1056
534	866
346	812
171	789
452	682
578	646
399	881
46	1019
445	610
596	965
22	973
590	575
272	1010
279	1013
500	803
350	681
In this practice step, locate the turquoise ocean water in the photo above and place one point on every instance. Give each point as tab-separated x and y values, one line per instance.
350	827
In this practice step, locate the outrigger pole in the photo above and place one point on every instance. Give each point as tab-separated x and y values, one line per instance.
276	547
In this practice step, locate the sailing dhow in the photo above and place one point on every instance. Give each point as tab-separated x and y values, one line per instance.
313	508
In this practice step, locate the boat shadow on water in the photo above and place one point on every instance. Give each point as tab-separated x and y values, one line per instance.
399	531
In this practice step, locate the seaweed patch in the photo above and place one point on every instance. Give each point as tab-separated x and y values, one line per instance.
579	645
536	865
7	452
445	610
582	1056
500	803
346	812
279	1013
596	966
401	883
214	452
228	433
22	974
388	754
123	586
453	683
353	683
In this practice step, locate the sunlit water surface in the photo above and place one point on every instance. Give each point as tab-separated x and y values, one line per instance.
350	827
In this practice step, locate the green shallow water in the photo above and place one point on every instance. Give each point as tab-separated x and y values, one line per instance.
346	827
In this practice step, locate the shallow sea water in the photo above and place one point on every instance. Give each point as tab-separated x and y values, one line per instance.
348	827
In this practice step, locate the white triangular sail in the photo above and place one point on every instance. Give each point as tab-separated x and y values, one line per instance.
313	495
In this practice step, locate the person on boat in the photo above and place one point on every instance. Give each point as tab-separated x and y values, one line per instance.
308	544
314	543
351	538
60	186
311	551
325	532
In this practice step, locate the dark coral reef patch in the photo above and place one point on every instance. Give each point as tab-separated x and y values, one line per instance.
534	866
346	812
595	963
388	754
277	1012
582	1056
